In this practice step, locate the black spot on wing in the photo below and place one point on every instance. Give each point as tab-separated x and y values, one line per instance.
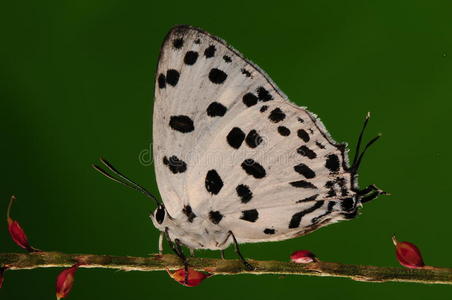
216	109
308	199
263	108
243	191
213	182
162	81
302	134
178	43
189	213
198	41
303	184
210	51
249	99
250	215
330	207
332	163
253	168
215	217
190	58
305	151
253	139
235	137
300	120
304	170
320	145
277	115
246	72
174	164
269	231
296	218
263	94
172	77
217	76
283	130
348	204
227	59
181	123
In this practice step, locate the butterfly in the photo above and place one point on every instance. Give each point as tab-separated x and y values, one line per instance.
235	161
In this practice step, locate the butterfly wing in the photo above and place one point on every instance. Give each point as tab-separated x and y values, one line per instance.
228	144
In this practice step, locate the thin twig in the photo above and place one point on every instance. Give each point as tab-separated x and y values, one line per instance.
429	275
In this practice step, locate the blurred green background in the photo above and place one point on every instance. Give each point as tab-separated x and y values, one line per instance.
76	82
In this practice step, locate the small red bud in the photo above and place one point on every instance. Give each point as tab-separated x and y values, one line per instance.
15	230
65	280
2	273
408	254
194	277
303	257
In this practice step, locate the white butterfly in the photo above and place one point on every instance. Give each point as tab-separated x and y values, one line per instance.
235	161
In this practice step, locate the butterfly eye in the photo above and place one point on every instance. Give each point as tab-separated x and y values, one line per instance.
160	214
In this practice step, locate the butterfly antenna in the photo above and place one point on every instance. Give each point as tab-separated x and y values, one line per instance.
123	179
356	163
360	138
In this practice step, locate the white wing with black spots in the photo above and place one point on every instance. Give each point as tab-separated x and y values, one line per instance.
233	154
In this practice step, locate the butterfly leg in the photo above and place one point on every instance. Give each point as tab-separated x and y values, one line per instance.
176	247
161	243
247	265
222	254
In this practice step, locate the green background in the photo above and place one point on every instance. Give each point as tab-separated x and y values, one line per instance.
76	82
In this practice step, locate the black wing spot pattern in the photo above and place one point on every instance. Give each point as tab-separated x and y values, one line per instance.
332	163
302	134
249	99
263	94
308	199
320	145
243	191
178	43
217	76
253	139
330	207
190	58
181	123
277	115
246	72
174	164
253	168
162	81
250	215
227	59
189	213
304	170
263	108
305	151
269	231
296	218
235	137
283	130
300	120
348	204
216	109
210	51
213	182
172	77
215	217
303	184
198	41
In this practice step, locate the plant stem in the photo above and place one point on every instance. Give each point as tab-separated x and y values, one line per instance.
430	275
